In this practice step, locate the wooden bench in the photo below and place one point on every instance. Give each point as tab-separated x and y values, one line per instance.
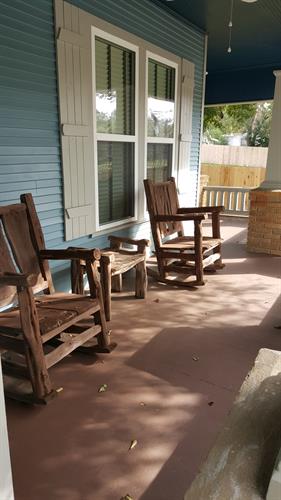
115	261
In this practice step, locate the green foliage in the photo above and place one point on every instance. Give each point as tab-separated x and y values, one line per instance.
259	129
215	135
253	120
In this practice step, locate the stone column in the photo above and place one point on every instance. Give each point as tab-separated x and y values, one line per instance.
264	231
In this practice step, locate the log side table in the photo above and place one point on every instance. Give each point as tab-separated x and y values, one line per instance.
115	261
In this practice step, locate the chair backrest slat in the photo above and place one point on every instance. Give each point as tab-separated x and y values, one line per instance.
18	245
37	237
162	199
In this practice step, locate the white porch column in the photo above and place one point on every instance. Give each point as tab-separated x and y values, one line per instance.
264	230
273	167
6	483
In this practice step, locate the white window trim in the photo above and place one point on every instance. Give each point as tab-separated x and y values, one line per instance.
108	37
163	140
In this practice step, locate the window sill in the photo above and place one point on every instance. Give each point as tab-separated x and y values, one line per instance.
119	227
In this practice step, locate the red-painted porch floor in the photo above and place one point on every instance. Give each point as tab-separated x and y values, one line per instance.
181	358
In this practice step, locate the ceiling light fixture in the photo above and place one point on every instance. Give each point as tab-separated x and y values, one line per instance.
230	23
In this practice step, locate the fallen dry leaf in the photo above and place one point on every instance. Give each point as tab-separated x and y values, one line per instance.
195	358
127	497
59	389
133	444
103	388
157	301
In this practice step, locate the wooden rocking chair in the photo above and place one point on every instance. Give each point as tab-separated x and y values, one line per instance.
181	254
41	329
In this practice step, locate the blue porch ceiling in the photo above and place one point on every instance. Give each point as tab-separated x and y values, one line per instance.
246	73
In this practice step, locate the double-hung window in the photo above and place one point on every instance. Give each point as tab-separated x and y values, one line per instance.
115	110
125	114
161	117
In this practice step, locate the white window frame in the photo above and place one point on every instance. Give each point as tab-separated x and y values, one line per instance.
162	140
143	50
121	42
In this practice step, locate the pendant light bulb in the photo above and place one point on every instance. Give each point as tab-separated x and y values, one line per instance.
229	50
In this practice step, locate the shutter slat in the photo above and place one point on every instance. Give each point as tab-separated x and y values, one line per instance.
69	83
72	37
80	161
187	85
77	85
67	12
75	82
75	130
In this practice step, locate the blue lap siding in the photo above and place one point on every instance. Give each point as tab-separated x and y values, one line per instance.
30	158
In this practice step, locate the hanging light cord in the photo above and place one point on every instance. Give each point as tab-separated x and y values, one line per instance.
229	49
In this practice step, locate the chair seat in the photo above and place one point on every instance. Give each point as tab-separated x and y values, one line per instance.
186	243
54	312
123	262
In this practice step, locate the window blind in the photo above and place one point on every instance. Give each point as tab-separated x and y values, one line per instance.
115	75
115	111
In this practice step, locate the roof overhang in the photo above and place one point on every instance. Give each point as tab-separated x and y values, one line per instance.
246	73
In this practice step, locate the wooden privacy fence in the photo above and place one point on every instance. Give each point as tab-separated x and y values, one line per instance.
244	156
234	199
238	166
226	175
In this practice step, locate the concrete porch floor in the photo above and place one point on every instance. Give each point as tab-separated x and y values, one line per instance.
181	357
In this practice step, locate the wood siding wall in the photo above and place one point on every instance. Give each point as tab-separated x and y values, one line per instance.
29	126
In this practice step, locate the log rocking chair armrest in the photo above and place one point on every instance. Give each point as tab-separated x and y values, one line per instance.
117	241
18	279
211	209
71	253
179	217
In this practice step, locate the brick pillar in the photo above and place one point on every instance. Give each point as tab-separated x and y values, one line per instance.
264	231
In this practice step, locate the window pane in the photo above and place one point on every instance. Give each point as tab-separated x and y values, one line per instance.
115	89
116	181
161	100
159	161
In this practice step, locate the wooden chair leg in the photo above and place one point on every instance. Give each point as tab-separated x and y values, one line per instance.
117	283
161	266
77	277
105	273
104	344
198	254
34	354
219	263
141	280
